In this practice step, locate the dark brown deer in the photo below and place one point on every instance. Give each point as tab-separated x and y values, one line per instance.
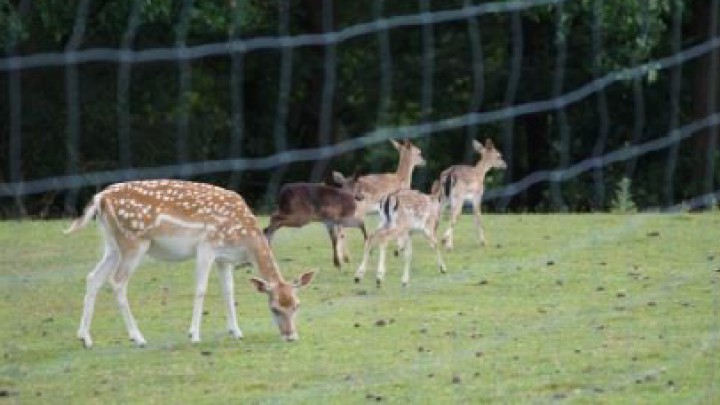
298	204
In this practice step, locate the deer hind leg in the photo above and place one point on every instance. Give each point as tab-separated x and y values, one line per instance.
351	223
406	243
95	279
128	263
205	258
279	220
274	225
227	283
478	221
429	233
455	209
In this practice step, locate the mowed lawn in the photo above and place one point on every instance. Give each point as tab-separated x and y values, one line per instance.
579	308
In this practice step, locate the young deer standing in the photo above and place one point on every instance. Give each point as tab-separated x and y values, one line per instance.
176	220
463	182
301	203
402	212
373	187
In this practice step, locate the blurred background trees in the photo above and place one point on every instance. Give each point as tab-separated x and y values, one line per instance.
256	103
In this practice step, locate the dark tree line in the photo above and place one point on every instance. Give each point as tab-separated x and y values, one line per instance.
97	116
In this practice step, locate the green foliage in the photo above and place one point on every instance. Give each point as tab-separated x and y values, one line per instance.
627	33
11	31
623	202
588	308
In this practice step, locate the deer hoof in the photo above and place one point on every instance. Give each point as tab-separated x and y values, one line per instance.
378	283
87	343
357	280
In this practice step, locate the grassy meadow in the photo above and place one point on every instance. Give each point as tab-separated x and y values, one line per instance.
577	308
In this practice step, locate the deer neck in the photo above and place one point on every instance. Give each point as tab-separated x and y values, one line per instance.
404	172
482	167
265	261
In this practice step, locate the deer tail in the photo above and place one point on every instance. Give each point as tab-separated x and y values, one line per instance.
388	207
90	211
448	184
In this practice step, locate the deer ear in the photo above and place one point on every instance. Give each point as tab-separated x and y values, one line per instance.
489	144
435	188
395	144
329	179
260	284
305	279
479	148
338	178
356	174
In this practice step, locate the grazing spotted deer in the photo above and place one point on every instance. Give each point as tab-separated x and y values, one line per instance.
301	203
464	182
176	220
401	213
373	187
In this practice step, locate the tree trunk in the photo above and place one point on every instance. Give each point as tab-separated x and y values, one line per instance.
705	97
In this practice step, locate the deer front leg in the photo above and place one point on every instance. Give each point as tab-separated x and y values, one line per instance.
94	281
477	219
380	274
455	209
334	232
227	283
360	273
119	281
381	237
343	245
205	258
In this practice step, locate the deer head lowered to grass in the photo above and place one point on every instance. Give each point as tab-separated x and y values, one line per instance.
177	220
464	182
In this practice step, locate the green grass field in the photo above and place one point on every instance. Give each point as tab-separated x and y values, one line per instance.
581	308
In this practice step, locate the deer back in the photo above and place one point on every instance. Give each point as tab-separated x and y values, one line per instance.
315	201
143	208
